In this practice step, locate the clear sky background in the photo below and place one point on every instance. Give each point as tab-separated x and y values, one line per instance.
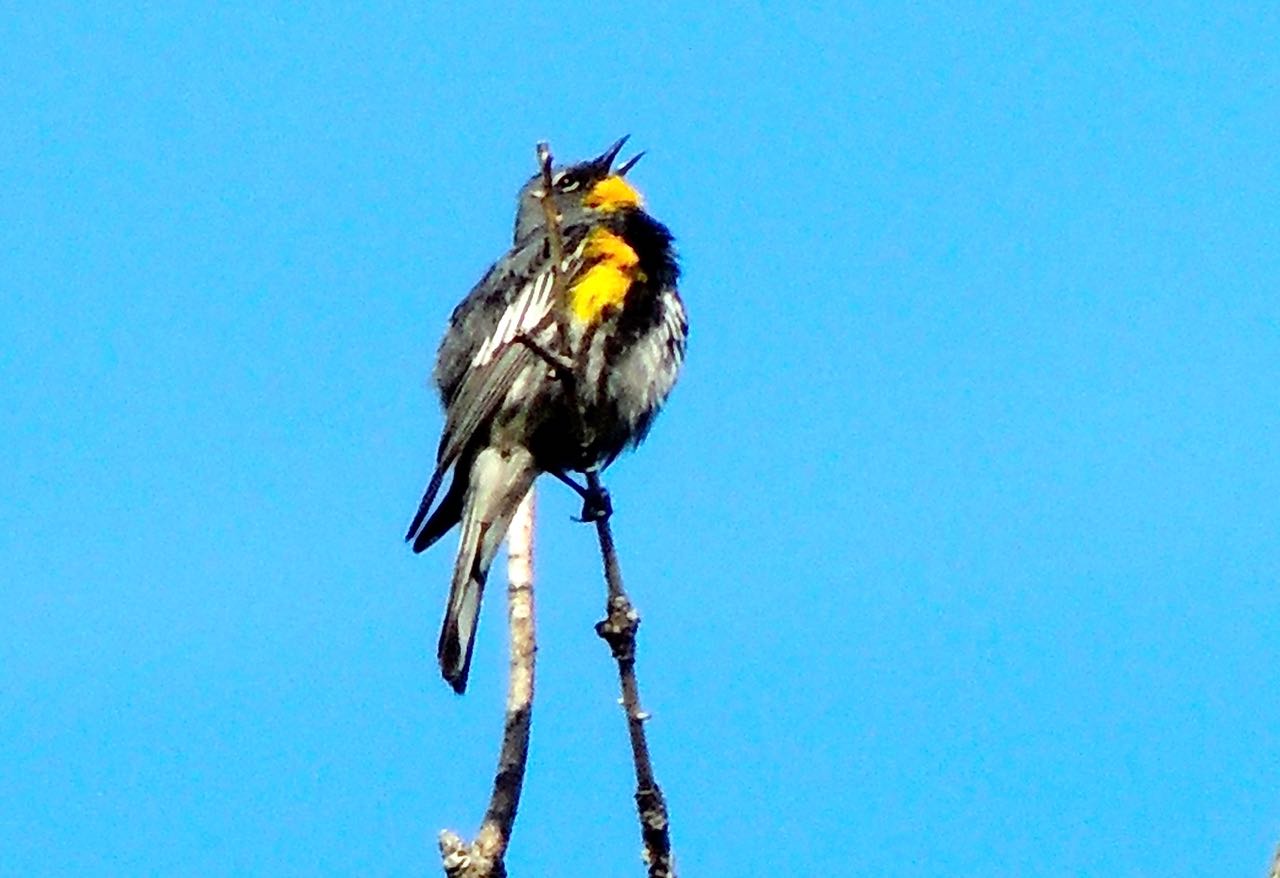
956	546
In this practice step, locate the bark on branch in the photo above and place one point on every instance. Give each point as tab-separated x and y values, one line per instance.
484	857
618	628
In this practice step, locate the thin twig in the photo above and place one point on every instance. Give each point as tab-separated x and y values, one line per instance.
484	857
621	621
618	629
559	293
556	242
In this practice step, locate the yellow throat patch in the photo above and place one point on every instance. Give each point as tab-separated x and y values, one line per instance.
613	193
612	268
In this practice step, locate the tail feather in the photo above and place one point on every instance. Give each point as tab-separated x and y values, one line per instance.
447	514
428	496
498	482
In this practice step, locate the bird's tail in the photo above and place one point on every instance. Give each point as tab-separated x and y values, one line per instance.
498	482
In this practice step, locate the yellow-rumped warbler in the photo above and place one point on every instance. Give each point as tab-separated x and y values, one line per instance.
508	413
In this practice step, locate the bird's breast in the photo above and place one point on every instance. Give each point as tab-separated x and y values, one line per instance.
612	266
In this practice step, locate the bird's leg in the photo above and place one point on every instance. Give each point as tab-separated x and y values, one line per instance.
596	504
562	365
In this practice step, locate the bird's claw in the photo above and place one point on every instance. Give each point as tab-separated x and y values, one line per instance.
596	506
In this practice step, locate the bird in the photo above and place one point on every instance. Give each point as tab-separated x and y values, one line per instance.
532	383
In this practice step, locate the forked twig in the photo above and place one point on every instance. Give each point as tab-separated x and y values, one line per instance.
484	858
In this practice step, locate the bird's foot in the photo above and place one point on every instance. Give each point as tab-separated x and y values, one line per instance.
596	503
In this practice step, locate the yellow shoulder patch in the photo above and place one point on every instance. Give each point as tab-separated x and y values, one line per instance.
613	193
612	266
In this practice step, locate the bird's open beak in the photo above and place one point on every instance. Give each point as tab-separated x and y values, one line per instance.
628	164
605	161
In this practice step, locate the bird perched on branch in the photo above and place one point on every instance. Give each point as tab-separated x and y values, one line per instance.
543	376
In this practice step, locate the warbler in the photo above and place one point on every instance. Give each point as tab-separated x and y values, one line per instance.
534	383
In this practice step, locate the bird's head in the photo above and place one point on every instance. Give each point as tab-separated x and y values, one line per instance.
579	191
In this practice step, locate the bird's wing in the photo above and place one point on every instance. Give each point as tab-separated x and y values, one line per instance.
480	357
495	364
486	311
479	360
497	359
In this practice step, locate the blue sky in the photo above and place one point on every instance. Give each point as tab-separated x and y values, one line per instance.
956	546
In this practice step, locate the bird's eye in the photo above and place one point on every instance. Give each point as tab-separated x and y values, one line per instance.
566	182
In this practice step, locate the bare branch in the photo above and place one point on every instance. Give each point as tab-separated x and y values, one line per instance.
621	621
618	629
484	857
